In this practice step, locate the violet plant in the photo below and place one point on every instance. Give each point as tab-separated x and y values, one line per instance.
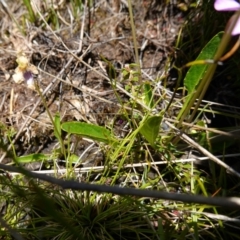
202	83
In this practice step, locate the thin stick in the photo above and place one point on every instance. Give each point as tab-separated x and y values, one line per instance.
231	202
187	139
101	168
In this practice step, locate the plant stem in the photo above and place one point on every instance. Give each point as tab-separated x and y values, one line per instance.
134	39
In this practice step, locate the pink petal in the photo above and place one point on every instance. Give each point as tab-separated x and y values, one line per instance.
236	29
226	5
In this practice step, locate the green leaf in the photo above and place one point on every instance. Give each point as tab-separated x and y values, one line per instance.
88	130
150	128
57	127
196	72
73	158
35	157
148	95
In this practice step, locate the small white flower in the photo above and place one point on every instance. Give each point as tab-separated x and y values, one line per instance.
24	72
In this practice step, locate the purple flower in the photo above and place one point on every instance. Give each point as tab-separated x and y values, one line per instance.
229	5
28	77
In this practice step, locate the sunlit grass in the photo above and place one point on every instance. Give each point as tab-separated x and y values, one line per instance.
38	210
